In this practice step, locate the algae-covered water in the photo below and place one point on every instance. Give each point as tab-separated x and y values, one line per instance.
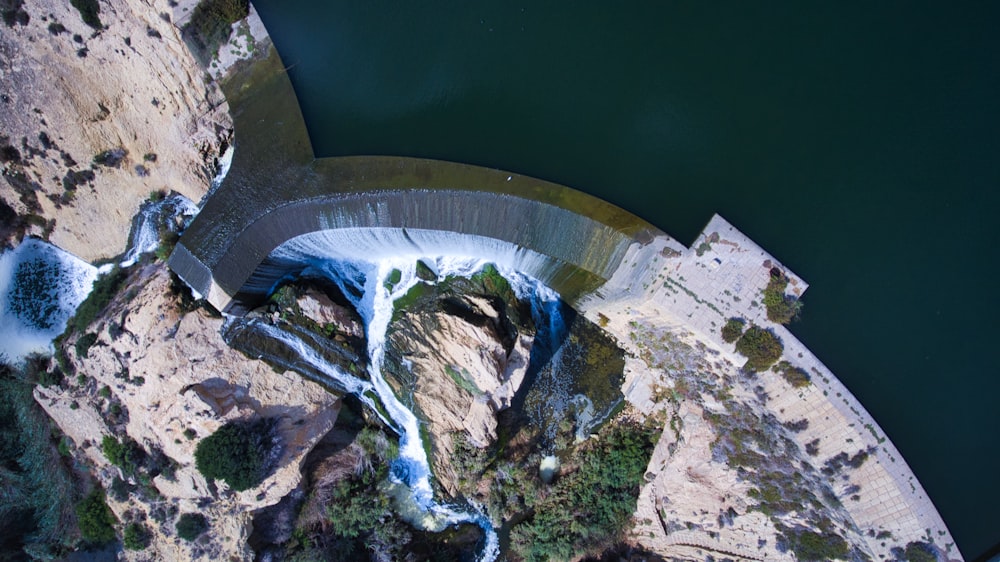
856	142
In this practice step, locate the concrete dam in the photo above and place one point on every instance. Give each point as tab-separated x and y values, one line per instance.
278	200
279	208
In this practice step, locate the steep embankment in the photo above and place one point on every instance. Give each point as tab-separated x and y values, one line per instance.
95	117
164	378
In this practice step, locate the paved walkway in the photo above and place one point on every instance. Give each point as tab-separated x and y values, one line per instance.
723	275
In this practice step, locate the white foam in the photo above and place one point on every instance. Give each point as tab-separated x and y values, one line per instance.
40	288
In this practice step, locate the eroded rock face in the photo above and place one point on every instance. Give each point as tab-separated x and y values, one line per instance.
462	359
92	121
176	382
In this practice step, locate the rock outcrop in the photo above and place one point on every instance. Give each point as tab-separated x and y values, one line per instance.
94	119
166	379
461	363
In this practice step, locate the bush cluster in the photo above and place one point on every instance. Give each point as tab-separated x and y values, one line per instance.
191	525
732	330
761	348
89	10
97	523
591	507
781	308
135	536
795	376
126	455
105	288
237	453
36	513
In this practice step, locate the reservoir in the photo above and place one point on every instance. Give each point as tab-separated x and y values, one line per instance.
857	143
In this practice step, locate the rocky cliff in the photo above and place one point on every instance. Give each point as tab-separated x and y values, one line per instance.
460	353
94	117
165	379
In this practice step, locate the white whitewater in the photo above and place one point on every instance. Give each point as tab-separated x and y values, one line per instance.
41	285
172	213
373	287
40	288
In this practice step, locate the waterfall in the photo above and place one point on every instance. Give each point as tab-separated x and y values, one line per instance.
172	213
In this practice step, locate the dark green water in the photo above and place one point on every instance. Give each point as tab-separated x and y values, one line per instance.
858	143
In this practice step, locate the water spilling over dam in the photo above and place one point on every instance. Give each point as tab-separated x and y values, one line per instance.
281	212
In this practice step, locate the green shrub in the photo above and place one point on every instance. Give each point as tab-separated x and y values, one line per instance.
795	376
88	11
95	518
211	25
237	453
191	525
38	495
812	546
84	343
127	454
105	288
781	308
919	552
732	330
168	241
589	509
761	348
135	536
354	509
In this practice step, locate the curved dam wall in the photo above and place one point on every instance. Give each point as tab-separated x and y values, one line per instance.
568	251
277	192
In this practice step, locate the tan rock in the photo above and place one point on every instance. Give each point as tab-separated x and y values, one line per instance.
192	381
463	376
132	86
320	309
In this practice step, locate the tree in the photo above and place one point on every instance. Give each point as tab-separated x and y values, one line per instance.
191	525
237	453
95	518
126	454
135	536
732	330
761	348
781	308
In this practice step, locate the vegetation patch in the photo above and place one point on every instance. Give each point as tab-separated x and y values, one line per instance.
135	536
105	288
37	512
781	308
110	158
190	526
733	330
13	12
211	25
588	509
463	381
89	11
812	546
795	376
97	523
125	454
238	453
761	348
